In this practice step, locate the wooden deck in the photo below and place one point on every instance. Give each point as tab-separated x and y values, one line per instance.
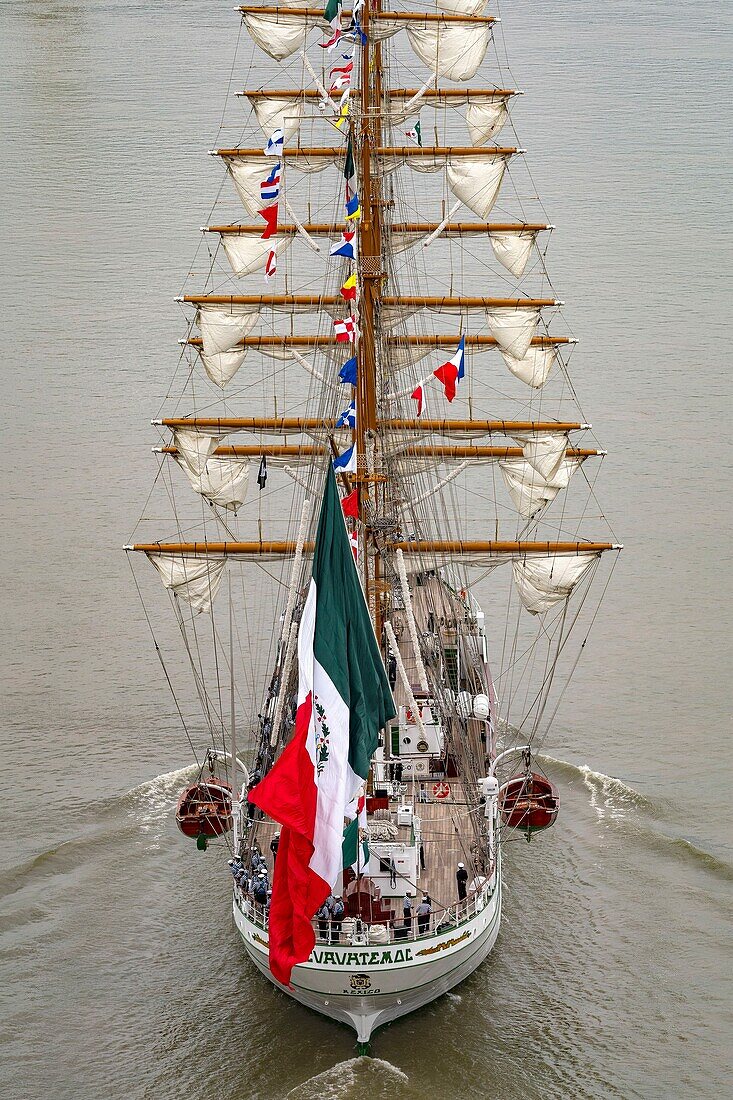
446	839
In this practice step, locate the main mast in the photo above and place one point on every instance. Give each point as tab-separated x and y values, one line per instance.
370	282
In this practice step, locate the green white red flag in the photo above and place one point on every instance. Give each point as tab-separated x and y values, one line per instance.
344	700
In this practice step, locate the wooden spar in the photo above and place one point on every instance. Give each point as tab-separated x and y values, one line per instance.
470	546
424	546
393	93
291	450
403	16
314	228
257	450
296	424
505	427
318	229
467	300
332	300
467	227
426	341
483	452
247	549
381	151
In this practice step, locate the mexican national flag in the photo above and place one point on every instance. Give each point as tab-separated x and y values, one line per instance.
343	701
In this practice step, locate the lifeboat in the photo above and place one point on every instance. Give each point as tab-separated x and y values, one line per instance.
529	802
204	809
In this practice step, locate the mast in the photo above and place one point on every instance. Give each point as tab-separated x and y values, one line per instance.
233	720
370	263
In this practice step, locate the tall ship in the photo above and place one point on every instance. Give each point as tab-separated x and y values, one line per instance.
371	428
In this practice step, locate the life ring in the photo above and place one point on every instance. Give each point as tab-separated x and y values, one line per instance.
441	790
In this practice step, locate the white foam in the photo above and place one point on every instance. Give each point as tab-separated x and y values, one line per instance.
153	801
337	1081
609	797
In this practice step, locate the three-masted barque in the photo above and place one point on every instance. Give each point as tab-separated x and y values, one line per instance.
400	359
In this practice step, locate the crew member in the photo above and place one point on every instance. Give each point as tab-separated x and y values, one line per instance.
324	915
337	916
274	845
424	910
259	889
461	880
407	911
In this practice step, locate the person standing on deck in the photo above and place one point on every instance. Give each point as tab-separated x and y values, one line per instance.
324	916
424	910
337	916
461	880
274	845
407	911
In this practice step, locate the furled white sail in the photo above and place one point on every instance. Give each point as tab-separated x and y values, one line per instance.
534	367
194	580
221	366
462	7
277	114
279	33
513	327
544	451
513	248
454	51
529	490
221	329
543	582
248	253
223	480
476	181
485	117
485	114
248	173
195	446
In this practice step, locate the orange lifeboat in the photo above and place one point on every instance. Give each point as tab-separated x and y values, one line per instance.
204	809
529	802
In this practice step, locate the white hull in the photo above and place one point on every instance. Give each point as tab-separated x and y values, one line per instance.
369	985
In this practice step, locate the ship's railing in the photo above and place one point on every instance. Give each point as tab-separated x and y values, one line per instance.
352	930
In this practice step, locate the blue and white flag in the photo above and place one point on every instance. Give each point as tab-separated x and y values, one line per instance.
345	247
346	463
348	371
348	417
274	147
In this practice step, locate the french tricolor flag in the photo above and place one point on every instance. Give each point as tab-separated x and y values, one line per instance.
452	372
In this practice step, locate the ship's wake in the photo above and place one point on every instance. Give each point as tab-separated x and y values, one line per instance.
352	1078
616	802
